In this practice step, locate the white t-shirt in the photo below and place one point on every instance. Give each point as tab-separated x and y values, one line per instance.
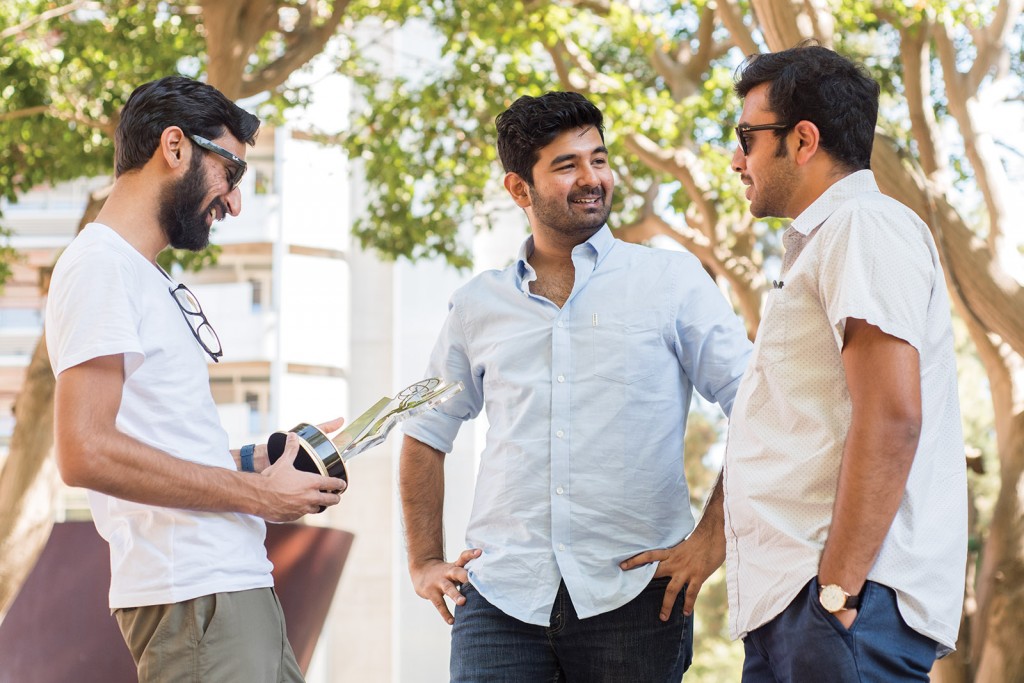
106	298
874	260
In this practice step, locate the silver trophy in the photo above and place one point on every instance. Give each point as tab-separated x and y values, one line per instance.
321	455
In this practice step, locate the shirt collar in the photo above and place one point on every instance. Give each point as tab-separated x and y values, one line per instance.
599	244
821	208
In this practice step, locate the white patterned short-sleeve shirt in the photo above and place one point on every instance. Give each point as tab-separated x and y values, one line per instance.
860	255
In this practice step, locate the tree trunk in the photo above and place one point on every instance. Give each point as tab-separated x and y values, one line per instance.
1000	655
28	481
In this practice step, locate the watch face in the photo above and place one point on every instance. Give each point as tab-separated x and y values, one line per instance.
832	598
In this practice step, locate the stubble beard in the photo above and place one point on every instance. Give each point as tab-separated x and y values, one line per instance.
558	214
776	189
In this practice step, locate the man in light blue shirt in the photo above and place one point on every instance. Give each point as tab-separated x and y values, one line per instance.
585	353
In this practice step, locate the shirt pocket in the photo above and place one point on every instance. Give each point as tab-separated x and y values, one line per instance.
771	347
628	349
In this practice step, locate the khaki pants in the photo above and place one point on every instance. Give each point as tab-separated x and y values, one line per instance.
222	638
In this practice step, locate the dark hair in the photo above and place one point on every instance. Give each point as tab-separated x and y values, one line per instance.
197	108
533	122
813	83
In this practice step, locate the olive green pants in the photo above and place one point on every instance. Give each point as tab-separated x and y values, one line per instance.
221	638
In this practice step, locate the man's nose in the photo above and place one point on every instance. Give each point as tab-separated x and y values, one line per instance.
588	176
234	201
739	160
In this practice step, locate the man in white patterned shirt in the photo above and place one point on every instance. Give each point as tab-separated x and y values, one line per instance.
844	482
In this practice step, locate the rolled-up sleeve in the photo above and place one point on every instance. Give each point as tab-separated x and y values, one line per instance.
449	360
712	345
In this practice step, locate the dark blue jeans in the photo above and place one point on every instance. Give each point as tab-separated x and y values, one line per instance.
629	644
807	644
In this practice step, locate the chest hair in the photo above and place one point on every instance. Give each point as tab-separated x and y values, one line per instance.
555	285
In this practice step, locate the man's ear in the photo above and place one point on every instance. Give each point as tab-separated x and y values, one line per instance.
518	188
173	148
807	139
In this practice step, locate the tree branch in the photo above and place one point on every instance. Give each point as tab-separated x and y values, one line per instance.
685	70
561	60
978	147
822	23
303	44
700	60
46	16
731	17
25	113
593	80
915	51
781	24
991	49
683	165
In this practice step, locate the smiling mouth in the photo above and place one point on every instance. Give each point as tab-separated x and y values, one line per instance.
589	201
215	212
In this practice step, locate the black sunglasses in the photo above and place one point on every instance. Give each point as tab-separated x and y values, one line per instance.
236	172
743	129
201	328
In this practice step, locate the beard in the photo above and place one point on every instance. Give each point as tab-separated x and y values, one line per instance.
181	215
559	215
777	187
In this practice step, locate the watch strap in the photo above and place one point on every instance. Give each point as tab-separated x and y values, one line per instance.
246	457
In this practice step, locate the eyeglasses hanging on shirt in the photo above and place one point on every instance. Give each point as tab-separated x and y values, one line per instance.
201	328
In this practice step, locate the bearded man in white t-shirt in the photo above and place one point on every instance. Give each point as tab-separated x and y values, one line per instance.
845	515
136	424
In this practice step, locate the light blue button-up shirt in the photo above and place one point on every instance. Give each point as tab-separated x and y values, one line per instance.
587	404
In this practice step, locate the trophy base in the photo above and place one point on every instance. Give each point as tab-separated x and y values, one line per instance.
317	455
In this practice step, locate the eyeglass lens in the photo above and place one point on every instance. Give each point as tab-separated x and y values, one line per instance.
741	136
187	301
201	327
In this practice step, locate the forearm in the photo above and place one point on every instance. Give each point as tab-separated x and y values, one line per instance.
123	467
711	527
93	453
884	380
421	482
872	478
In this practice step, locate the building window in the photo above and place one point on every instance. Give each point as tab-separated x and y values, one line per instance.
257	295
252	399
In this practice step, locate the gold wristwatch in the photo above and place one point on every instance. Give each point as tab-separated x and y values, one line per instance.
834	599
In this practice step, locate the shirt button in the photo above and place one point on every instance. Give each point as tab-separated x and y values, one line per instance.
561	324
561	378
559	433
561	546
559	490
